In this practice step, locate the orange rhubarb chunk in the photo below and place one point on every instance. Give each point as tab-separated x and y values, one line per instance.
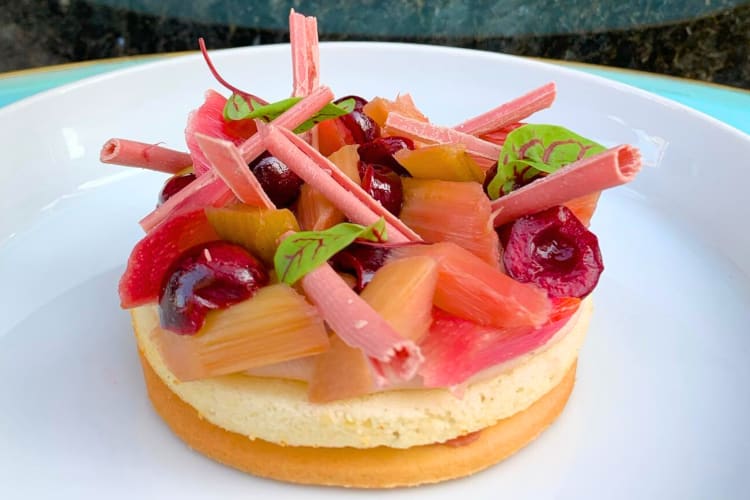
401	292
379	108
341	372
447	162
332	135
347	159
451	211
315	212
471	289
256	229
277	324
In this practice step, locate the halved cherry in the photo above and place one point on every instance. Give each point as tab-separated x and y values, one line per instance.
209	276
554	250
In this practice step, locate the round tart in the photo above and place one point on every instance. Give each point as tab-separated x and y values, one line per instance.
338	291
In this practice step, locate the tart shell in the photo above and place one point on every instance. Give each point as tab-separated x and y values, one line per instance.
379	467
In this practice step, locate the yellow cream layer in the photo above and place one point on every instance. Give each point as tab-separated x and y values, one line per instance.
278	411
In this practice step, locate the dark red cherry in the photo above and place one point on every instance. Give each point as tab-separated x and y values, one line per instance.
382	149
383	184
554	250
278	181
210	276
362	127
173	185
362	261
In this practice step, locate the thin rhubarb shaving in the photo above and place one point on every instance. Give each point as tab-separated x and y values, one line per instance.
360	326
611	168
322	174
138	154
248	96
206	190
226	160
511	112
303	38
398	124
291	119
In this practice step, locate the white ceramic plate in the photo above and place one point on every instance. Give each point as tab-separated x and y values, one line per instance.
662	405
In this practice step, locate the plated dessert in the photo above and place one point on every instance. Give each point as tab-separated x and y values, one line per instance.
338	291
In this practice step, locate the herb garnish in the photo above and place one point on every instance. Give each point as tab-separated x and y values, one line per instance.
237	108
302	252
533	150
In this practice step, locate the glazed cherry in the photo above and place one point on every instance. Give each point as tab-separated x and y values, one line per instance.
362	260
174	185
362	127
554	250
383	184
210	276
280	184
382	149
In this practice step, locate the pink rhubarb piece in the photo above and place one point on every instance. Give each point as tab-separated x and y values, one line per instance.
153	256
303	37
611	168
138	154
225	158
323	175
291	119
208	190
455	349
398	124
209	119
360	326
510	112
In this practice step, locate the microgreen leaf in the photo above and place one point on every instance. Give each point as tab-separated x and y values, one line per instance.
328	112
302	252
237	108
533	150
271	111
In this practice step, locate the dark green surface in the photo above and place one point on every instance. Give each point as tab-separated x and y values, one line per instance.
700	39
437	18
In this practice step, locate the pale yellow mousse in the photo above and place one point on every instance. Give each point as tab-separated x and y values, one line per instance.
278	411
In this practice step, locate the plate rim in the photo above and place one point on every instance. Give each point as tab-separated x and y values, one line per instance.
191	58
